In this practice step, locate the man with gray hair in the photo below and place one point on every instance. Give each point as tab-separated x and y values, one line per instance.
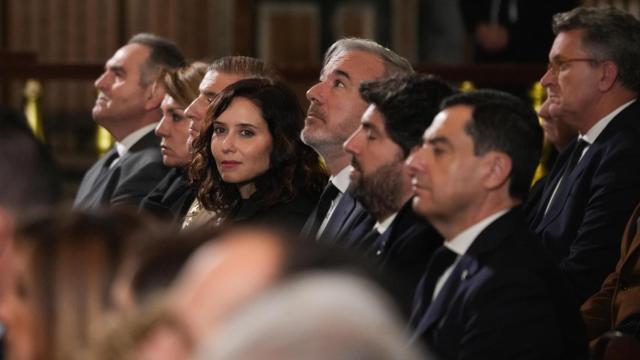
592	81
333	115
128	106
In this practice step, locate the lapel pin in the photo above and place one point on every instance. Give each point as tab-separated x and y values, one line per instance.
465	274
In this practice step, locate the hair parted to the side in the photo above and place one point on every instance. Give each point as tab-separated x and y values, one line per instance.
608	34
165	54
393	63
502	122
182	83
294	167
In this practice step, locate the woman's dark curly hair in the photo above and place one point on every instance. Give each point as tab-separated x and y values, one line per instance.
294	168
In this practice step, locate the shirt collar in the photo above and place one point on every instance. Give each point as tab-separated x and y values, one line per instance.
122	147
384	225
342	180
595	131
461	242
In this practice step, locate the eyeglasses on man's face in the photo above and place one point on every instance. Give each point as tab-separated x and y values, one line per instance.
558	65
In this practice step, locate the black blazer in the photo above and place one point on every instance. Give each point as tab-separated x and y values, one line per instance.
584	225
402	252
171	198
342	220
128	181
505	299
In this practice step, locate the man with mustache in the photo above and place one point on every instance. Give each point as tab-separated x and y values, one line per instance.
399	111
333	115
128	106
593	82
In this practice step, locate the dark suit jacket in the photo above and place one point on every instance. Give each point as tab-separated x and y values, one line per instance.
343	218
505	299
619	296
402	251
128	181
584	225
171	198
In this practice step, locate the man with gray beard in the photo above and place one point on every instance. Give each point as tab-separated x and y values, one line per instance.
399	110
333	115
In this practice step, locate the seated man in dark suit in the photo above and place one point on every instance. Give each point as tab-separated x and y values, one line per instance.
400	109
334	114
592	82
128	106
490	292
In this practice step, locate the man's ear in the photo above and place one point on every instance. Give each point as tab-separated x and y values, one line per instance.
608	76
153	96
499	169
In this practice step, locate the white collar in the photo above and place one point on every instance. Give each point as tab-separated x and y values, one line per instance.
342	180
122	147
461	242
384	225
595	131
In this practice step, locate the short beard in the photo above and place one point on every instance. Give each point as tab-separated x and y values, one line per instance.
379	192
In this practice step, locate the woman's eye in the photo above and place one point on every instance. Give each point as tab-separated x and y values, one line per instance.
338	83
217	130
246	133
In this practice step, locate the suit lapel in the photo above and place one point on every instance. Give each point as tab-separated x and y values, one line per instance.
340	216
566	188
464	270
468	266
95	176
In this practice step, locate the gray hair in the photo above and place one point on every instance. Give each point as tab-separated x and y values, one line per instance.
609	34
394	64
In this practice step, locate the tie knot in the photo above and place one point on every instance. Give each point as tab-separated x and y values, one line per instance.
442	258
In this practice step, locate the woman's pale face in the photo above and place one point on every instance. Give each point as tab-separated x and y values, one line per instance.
241	144
173	129
17	311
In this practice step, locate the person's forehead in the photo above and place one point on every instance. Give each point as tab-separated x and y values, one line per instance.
130	55
373	117
356	63
568	44
215	81
449	122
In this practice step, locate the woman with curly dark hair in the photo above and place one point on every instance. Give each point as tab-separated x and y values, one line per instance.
250	164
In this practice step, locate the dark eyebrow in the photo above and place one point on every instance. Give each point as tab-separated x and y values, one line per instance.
211	94
438	140
369	126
